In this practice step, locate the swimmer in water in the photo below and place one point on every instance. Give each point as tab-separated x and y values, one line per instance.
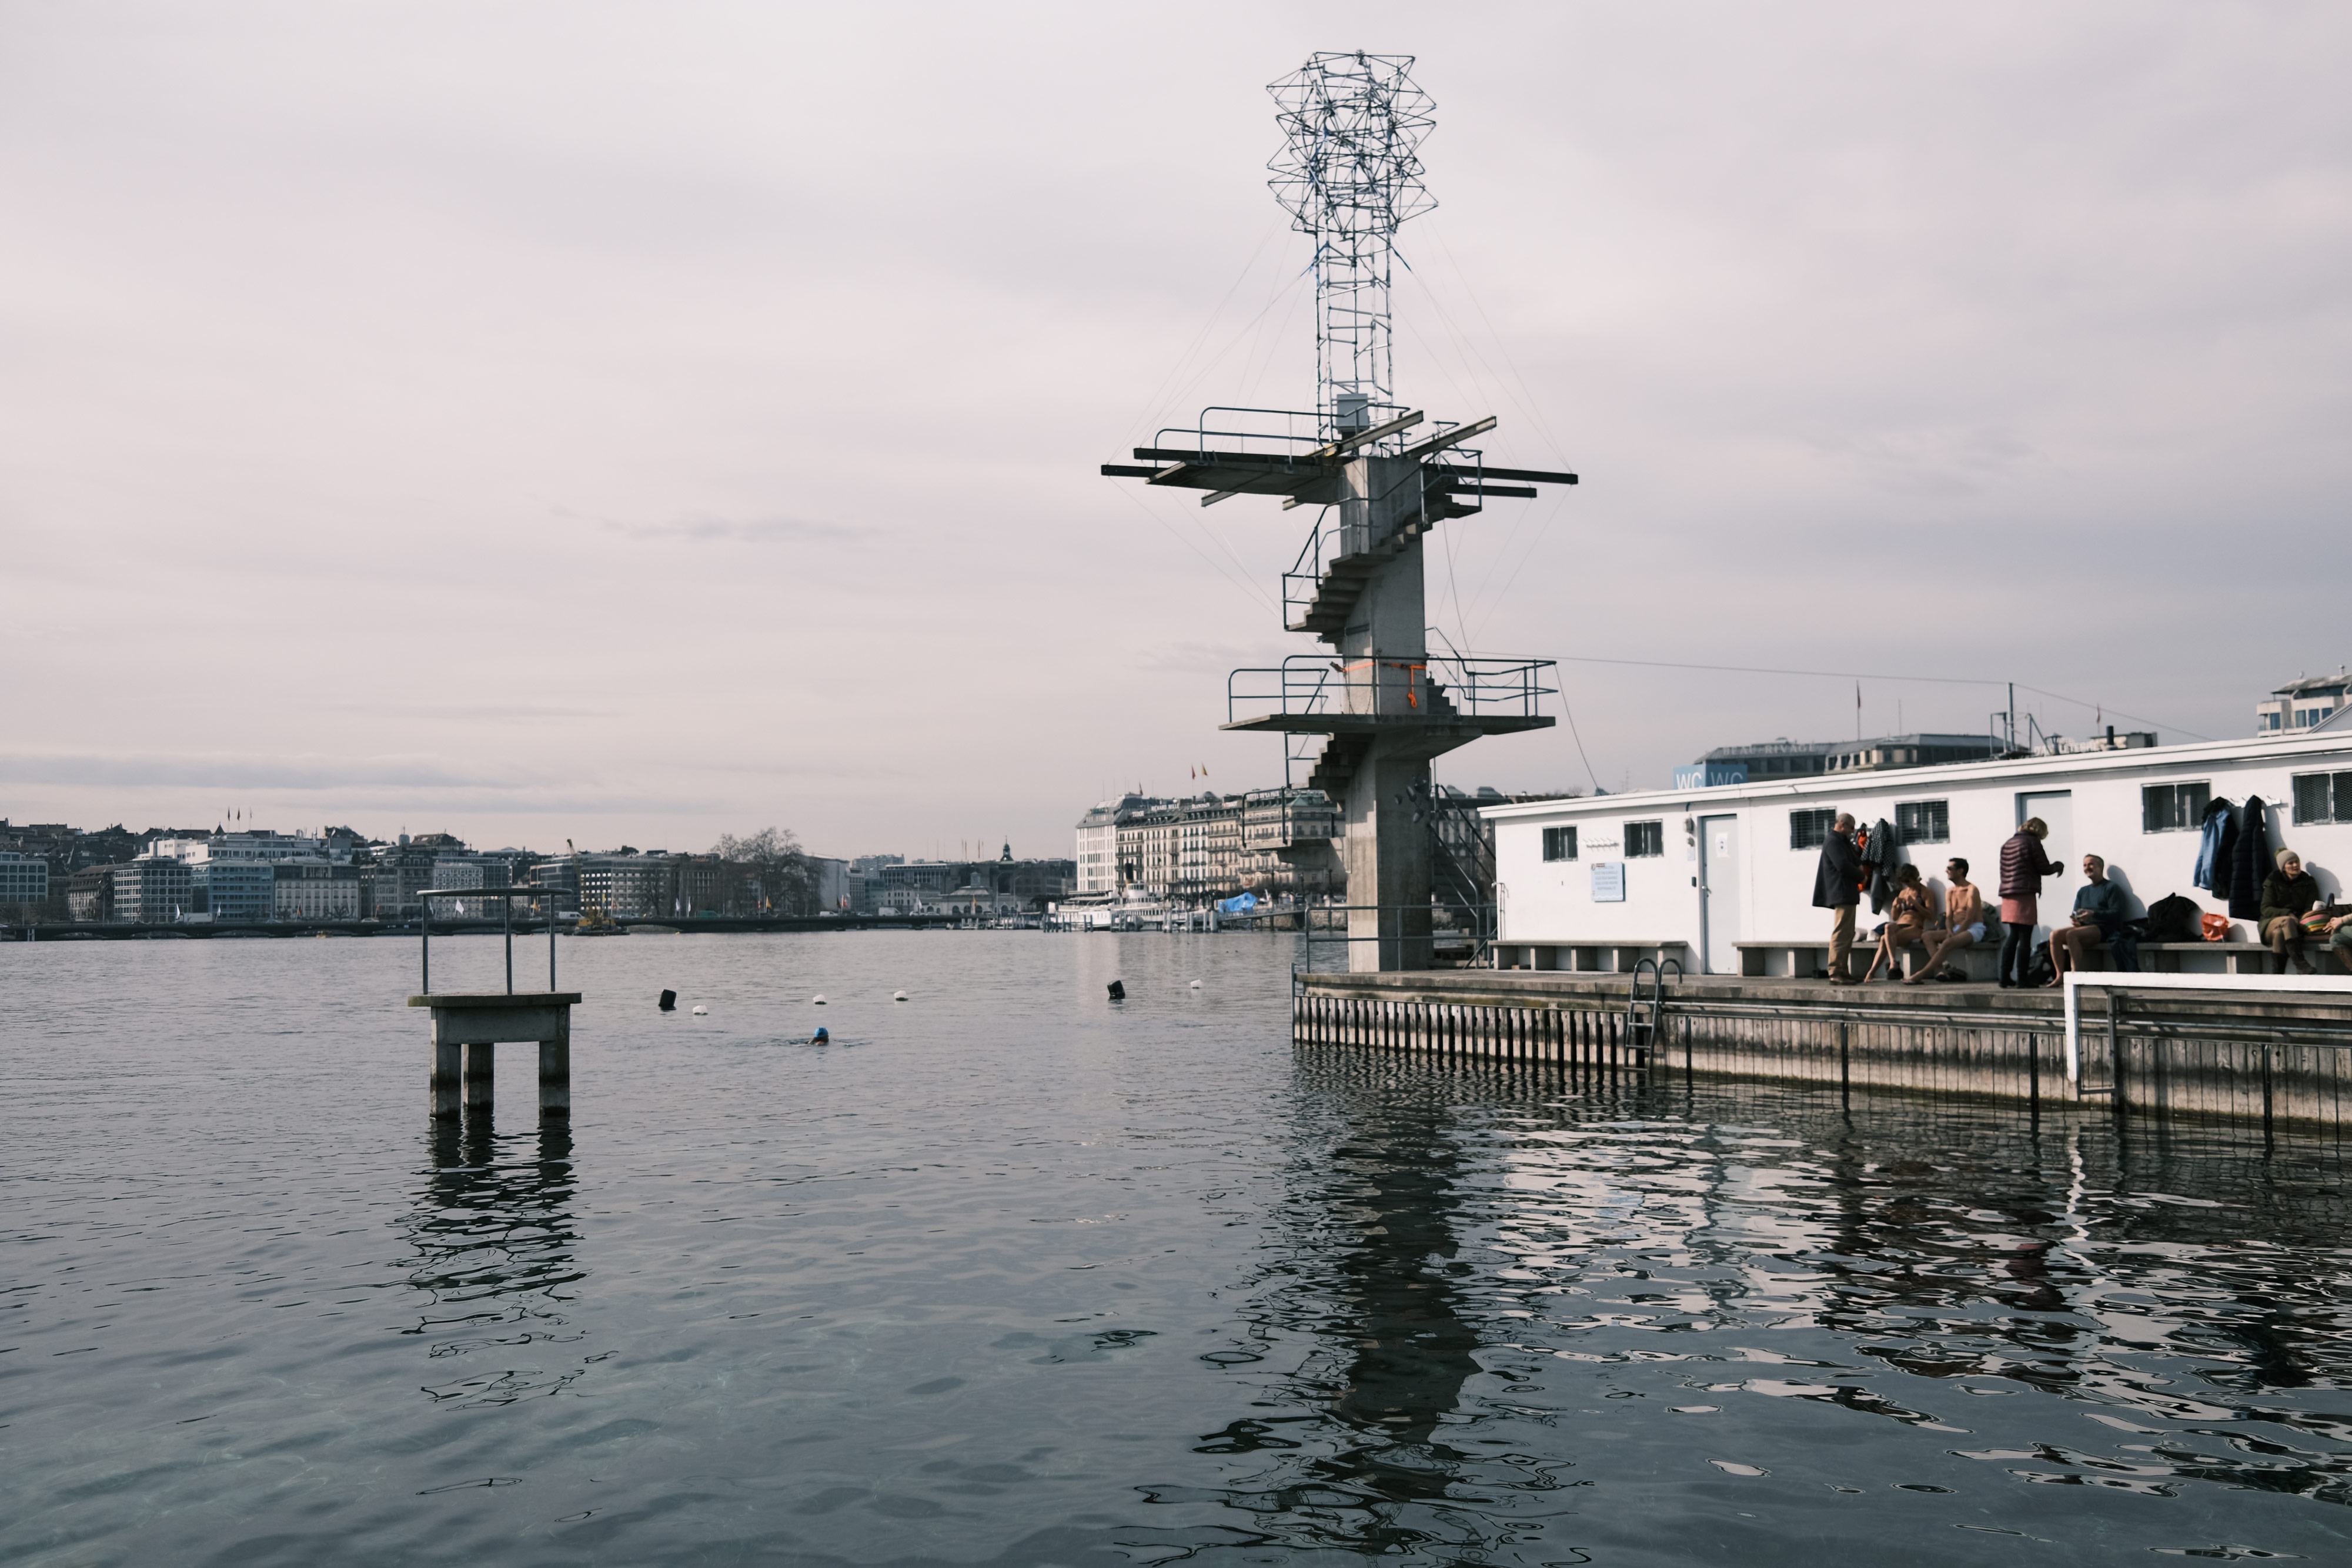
821	1037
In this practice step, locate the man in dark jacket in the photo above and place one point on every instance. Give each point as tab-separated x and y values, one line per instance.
1837	887
2287	893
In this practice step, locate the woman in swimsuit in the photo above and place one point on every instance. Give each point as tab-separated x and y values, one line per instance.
1913	909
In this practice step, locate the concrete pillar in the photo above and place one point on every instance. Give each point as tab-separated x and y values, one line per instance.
555	1077
1388	857
480	1063
443	1090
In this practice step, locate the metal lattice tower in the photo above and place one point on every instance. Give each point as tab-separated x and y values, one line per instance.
1348	176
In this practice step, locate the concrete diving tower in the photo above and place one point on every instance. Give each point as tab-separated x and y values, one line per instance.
1384	705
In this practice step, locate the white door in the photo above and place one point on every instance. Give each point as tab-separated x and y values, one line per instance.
1718	893
2056	809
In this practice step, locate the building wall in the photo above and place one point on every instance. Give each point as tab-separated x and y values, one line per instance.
153	890
316	889
238	890
24	878
1552	902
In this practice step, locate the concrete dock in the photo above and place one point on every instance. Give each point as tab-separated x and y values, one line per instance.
2276	1054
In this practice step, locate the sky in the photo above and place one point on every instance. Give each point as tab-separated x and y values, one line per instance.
634	422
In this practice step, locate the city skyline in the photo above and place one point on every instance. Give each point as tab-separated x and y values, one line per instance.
535	424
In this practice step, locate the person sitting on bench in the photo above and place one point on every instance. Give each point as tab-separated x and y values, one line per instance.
1913	911
1964	919
2287	892
2100	910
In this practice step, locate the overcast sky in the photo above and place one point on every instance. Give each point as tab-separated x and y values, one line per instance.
636	423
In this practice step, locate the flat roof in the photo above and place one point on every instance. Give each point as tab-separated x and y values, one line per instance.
2287	750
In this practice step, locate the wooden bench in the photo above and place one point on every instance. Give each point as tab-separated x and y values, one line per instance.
1617	957
1980	963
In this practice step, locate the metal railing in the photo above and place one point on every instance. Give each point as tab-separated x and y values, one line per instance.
1315	684
506	897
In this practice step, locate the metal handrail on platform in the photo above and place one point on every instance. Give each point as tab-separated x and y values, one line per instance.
506	897
2117	984
1477	685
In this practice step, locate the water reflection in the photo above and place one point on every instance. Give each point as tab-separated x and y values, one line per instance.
494	1256
1482	1260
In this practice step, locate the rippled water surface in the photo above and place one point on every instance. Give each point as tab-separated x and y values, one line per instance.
1006	1274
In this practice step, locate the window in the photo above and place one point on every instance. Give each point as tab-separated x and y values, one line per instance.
2323	797
1810	830
1923	821
2170	808
1644	839
1560	844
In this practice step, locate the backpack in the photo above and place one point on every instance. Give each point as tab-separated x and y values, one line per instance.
2174	919
2039	971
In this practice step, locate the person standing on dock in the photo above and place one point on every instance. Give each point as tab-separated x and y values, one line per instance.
1837	887
2023	864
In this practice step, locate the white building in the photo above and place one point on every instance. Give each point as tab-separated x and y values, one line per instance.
1716	867
257	845
317	890
2302	704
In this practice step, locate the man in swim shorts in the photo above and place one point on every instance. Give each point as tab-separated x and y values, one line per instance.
1964	918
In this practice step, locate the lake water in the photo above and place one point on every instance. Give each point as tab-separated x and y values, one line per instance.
1007	1274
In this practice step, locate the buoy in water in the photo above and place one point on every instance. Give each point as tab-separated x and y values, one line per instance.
700	1009
1119	990
897	996
817	1001
670	1001
1196	985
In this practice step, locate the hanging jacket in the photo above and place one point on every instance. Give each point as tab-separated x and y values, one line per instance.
2250	862
1878	856
2208	843
2024	864
2225	855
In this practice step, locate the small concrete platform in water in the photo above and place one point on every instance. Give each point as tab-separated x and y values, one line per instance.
2259	1048
481	1024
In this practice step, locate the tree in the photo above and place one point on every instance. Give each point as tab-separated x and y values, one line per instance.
787	882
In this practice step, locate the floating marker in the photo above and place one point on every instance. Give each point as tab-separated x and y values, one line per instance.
1117	990
817	1001
670	1001
1196	985
700	1009
897	996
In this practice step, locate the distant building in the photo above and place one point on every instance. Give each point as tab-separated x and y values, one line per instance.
89	894
2303	703
24	880
234	891
1001	886
1777	761
1208	846
254	845
153	890
631	886
315	890
389	888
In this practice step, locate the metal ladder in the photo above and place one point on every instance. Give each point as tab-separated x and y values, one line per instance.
1644	1011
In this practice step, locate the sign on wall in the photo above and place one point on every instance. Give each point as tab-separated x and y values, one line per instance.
1609	881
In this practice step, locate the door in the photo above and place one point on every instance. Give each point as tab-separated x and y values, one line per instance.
1718	893
2055	807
